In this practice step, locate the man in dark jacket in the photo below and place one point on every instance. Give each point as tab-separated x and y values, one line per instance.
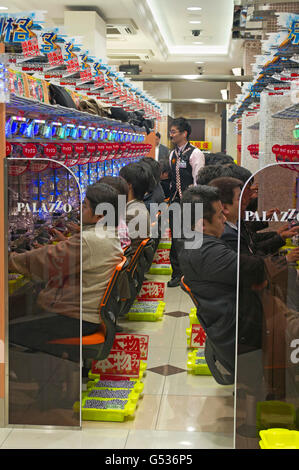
210	270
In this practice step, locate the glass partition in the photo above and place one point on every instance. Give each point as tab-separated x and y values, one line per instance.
267	359
44	279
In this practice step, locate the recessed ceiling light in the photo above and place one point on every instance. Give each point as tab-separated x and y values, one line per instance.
3	8
197	42
194	22
199	62
194	8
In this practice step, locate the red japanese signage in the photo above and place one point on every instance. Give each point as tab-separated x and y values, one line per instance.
37	166
8	148
29	150
119	365
132	342
162	257
72	65
55	58
152	291
86	75
16	169
30	48
198	336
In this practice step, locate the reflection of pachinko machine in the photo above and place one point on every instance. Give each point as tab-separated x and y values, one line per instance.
49	154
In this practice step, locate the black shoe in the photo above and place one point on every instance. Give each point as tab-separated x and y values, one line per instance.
174	282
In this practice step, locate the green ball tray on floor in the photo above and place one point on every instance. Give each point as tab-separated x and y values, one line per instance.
193	367
193	321
143	366
110	414
146	311
160	269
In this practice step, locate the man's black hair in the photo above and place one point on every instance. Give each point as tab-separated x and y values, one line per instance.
237	171
154	167
208	173
217	159
183	125
204	195
139	176
98	193
226	186
165	166
158	135
117	182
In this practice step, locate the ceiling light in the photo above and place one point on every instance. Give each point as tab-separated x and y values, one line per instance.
197	42
194	22
194	8
237	71
199	62
3	8
224	94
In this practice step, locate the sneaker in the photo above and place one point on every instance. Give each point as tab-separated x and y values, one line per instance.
174	282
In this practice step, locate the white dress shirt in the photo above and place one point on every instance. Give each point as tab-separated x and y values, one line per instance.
197	161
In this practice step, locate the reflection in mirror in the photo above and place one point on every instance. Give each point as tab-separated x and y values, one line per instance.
44	269
267	368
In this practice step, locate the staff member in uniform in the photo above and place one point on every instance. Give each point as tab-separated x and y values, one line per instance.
185	162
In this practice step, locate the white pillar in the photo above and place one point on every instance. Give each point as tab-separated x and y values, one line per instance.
272	130
249	137
91	27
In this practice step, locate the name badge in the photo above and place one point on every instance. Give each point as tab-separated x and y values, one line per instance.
183	164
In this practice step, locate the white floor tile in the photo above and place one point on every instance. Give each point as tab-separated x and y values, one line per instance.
194	385
196	413
178	440
58	439
4	433
154	383
146	416
158	356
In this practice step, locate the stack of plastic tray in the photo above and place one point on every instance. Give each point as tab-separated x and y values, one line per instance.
113	400
163	269
196	363
16	283
289	247
96	377
193	321
279	439
272	414
146	311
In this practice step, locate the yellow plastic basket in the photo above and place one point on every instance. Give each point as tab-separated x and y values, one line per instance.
146	311
196	364
162	269
279	438
193	321
122	409
275	414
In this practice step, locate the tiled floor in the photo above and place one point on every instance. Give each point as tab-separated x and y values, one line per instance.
177	411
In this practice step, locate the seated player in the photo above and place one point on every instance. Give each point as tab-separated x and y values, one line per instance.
59	267
139	180
210	270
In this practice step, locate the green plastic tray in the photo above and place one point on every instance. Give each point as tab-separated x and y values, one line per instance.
165	245
160	269
109	414
279	439
272	414
143	366
193	320
146	311
194	368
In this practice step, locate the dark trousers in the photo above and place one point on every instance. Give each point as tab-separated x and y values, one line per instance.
176	244
36	334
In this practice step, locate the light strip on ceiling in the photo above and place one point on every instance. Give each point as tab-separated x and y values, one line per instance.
222	49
